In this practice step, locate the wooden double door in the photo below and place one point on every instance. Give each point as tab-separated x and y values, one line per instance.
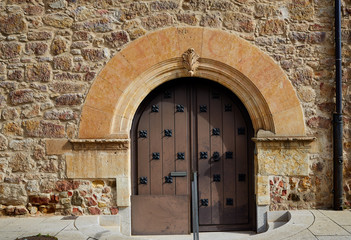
185	126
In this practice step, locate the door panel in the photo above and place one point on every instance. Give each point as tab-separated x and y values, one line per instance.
203	146
159	214
195	124
167	136
155	146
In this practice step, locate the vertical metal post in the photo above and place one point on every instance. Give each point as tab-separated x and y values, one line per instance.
195	208
337	116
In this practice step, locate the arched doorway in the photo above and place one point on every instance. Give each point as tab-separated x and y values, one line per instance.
184	126
156	58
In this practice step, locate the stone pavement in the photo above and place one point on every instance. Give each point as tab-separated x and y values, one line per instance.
313	224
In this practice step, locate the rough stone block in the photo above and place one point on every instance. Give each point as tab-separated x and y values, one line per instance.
69	99
40	35
95	55
238	22
37	128
186	18
12	194
62	63
37	48
67	87
12	23
157	21
40	72
116	39
10	50
59	45
21	96
58	20
12	129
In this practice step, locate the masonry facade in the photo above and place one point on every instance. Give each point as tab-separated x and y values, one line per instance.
73	74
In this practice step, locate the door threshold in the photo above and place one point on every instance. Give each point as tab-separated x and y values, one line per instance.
203	236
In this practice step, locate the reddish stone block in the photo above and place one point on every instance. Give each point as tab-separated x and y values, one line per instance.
77	211
91	201
63	185
114	210
54	199
94	211
39	200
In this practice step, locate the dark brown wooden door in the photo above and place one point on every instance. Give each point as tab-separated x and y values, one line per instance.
185	126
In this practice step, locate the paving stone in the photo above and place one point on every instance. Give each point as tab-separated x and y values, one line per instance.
333	237
69	235
304	235
340	217
325	226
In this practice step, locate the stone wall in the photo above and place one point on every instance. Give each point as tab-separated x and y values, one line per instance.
51	51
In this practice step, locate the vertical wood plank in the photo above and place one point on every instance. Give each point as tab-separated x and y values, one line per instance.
181	128
241	168
156	179
168	142
204	166
228	163
143	153
216	146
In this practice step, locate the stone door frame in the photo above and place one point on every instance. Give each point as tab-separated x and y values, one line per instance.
172	53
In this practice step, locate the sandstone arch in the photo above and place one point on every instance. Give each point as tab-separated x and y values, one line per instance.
155	58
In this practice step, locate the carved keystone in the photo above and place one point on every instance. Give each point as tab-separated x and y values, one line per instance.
191	61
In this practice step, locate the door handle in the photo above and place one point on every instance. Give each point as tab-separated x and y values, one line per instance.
178	174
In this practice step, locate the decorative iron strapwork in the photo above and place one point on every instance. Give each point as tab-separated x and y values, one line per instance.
203	108
180	108
168	132
242	177
204	202
229	201
154	108
167	94
143	133
156	155
168	179
216	131
229	155
203	155
227	107
215	95
241	131
181	156
143	180
216	177
216	156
